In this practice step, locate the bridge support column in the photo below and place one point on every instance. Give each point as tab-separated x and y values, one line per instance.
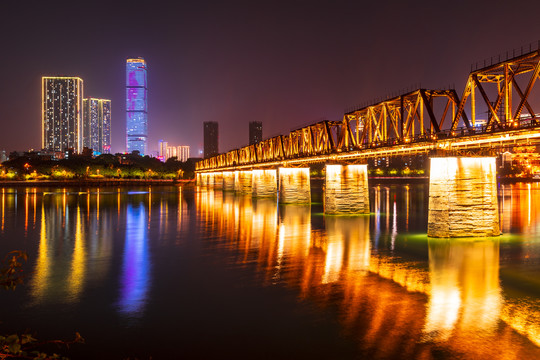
294	186
210	179
228	181
264	183
463	197
346	190
242	181
202	179
218	180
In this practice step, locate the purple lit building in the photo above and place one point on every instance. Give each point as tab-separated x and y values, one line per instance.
136	106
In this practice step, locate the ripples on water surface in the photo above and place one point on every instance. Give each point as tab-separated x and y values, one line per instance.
195	273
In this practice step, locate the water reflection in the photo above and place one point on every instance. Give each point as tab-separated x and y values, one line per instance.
61	264
136	262
465	291
453	300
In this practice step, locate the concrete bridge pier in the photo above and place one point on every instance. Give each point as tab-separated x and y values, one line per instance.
218	180
228	180
264	183
202	179
346	189
242	181
294	186
463	197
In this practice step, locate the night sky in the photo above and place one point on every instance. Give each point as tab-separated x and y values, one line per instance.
285	63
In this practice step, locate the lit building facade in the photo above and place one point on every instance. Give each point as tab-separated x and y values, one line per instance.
61	113
183	153
210	138
162	150
255	132
96	129
166	152
136	105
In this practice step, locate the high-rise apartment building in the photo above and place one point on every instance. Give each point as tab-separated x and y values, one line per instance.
255	132
171	152
136	105
183	153
61	113
162	150
210	138
96	127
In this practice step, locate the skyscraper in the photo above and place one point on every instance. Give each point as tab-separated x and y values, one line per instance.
255	132
210	138
136	106
96	127
61	113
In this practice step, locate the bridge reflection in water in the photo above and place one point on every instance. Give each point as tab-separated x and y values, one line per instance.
393	305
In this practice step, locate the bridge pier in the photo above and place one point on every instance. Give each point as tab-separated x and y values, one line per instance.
294	186
217	180
463	197
346	190
264	183
228	180
202	179
242	181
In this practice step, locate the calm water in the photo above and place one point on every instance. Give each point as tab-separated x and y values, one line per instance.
173	273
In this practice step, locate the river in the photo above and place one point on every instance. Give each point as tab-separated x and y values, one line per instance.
181	272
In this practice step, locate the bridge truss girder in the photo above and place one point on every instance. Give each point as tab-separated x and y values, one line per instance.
401	118
503	79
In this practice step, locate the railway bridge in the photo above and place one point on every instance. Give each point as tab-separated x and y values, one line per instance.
461	147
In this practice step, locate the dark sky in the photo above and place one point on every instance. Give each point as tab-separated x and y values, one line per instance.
285	63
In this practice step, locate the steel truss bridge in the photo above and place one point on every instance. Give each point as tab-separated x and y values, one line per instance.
420	121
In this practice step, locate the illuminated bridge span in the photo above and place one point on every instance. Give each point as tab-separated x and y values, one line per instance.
420	121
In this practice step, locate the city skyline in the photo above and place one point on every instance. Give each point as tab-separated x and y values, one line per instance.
294	74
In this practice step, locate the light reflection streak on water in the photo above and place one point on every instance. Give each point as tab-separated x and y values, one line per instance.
394	227
41	279
35	209
97	204
3	208
26	210
78	263
377	202
136	262
149	205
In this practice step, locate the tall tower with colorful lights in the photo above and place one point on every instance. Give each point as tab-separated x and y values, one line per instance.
136	105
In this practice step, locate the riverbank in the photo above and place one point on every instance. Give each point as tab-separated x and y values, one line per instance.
92	182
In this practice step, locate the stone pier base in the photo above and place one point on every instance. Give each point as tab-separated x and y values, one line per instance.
218	180
346	190
294	186
228	181
463	197
264	183
242	181
202	179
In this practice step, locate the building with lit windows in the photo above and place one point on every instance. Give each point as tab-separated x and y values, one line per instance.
162	150
61	113
255	132
96	127
136	106
183	153
210	138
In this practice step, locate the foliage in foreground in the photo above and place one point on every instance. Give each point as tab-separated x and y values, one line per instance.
24	346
